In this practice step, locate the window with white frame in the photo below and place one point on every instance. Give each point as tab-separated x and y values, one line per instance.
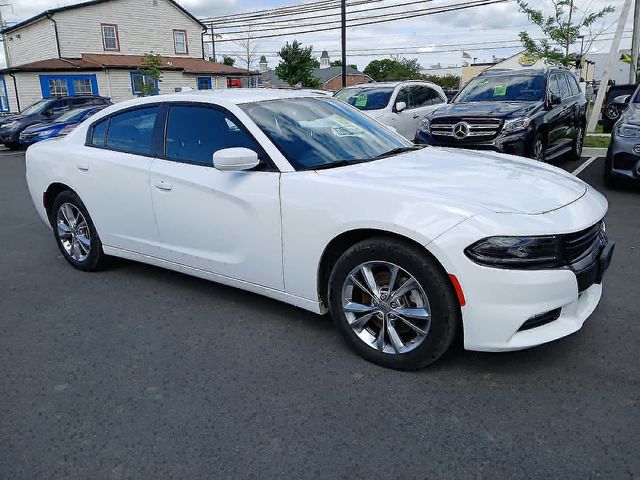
82	86
110	37
180	41
58	87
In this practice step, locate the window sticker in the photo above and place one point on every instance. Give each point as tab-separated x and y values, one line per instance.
499	90
361	100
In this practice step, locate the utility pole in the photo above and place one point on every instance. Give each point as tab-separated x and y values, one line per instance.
213	42
343	14
635	43
613	56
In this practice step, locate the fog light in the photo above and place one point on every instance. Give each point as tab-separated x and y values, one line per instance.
636	149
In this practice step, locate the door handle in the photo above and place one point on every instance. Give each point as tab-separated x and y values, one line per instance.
162	185
83	166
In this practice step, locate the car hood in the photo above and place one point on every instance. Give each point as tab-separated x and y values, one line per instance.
492	181
492	109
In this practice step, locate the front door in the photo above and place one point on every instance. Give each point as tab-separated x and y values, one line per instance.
559	115
226	223
404	122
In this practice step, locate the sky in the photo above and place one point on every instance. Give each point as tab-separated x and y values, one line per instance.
427	35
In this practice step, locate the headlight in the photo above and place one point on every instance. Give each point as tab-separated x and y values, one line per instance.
517	252
45	133
425	124
516	124
9	124
627	130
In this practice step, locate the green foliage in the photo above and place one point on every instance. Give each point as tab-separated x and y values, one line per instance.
393	69
150	69
560	29
446	81
338	63
297	65
227	60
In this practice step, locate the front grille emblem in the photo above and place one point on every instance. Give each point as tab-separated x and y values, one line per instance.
461	130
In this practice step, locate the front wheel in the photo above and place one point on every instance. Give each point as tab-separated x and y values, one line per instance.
393	304
576	151
538	148
75	233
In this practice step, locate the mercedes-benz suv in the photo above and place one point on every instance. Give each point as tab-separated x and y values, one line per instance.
539	114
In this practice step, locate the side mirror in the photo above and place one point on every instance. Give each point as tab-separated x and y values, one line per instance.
48	112
622	99
554	99
400	106
235	159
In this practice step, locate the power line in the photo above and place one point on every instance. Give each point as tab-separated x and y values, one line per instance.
402	16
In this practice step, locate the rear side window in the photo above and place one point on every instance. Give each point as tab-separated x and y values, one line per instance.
132	131
99	133
194	133
564	86
573	85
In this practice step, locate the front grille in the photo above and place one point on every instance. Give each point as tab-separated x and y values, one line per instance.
625	161
479	128
542	319
580	244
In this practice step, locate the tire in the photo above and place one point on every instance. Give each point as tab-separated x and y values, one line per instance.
578	143
610	179
75	233
431	293
538	142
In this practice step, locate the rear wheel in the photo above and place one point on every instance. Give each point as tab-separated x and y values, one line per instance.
75	233
393	304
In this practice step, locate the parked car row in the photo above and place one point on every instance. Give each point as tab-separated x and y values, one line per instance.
48	118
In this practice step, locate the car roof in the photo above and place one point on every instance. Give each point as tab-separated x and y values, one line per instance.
388	84
241	95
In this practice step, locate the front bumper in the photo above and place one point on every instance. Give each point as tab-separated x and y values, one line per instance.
518	143
622	158
499	302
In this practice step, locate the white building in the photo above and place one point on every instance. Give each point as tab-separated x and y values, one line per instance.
98	47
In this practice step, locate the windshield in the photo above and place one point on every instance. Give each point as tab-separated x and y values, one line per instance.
73	115
35	108
322	132
366	98
513	88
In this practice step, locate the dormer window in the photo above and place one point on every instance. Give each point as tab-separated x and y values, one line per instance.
110	40
180	41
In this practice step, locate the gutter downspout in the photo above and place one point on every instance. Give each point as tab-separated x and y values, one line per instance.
55	29
15	88
204	32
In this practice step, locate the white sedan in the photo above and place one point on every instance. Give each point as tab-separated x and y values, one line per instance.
304	199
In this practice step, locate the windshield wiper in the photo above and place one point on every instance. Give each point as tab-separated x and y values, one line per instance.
398	150
323	166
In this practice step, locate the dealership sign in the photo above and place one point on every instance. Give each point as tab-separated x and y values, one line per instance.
527	60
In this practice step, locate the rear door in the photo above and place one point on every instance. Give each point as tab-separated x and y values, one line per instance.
226	223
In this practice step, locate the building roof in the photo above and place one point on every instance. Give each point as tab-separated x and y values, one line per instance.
97	61
52	11
270	77
326	74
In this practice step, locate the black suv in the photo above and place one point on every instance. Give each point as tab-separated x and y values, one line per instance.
43	111
540	114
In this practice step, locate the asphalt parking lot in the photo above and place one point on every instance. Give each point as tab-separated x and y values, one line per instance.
141	373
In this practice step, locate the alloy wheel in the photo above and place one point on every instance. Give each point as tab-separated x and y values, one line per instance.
579	142
538	150
386	307
73	232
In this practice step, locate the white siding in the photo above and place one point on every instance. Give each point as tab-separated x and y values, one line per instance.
142	27
32	43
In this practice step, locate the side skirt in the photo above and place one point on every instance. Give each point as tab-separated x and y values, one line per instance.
294	300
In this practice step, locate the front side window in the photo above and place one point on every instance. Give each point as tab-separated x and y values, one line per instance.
194	133
506	88
58	107
554	86
322	132
423	96
58	87
180	41
82	86
110	40
564	86
372	98
132	131
139	81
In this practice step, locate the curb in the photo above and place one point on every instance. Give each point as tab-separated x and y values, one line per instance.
594	152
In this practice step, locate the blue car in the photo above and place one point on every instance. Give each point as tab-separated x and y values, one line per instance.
58	127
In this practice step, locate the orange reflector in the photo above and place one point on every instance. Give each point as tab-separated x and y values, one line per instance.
458	289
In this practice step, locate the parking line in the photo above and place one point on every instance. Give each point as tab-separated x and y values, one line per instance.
588	162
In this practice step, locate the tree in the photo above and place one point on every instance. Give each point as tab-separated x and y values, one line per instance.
562	31
249	56
445	81
338	63
151	74
297	65
394	68
227	60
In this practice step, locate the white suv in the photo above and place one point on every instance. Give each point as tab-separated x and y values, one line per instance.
400	105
